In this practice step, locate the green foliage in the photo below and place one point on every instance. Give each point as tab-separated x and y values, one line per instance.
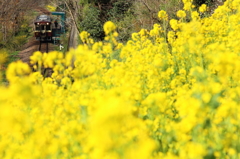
130	16
91	22
171	7
119	9
125	27
18	41
12	56
122	15
83	1
96	12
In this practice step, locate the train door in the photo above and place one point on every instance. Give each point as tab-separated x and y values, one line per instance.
49	31
42	28
48	27
37	27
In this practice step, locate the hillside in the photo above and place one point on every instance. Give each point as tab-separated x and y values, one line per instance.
129	15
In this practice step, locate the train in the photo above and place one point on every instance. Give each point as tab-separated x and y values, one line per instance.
43	28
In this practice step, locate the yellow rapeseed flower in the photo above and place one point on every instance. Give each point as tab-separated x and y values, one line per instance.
174	24
203	8
187	6
84	36
162	15
181	14
109	27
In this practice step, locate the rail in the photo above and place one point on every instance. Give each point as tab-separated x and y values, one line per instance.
40	46
46	72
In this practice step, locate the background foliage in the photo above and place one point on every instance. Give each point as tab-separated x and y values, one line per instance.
129	15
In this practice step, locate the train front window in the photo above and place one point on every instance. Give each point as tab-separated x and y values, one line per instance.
37	27
42	27
48	27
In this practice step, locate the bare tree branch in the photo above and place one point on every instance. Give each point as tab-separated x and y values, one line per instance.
73	17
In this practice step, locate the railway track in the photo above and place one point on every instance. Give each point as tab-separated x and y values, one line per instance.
43	46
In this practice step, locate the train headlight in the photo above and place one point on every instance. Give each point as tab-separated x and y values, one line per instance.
37	23
47	23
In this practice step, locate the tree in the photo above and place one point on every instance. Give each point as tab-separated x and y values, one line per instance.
11	15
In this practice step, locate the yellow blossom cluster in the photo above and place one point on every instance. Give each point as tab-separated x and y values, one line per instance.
203	8
51	8
164	94
181	14
85	38
162	15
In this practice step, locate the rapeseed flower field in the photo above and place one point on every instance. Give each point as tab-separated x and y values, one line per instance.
165	94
